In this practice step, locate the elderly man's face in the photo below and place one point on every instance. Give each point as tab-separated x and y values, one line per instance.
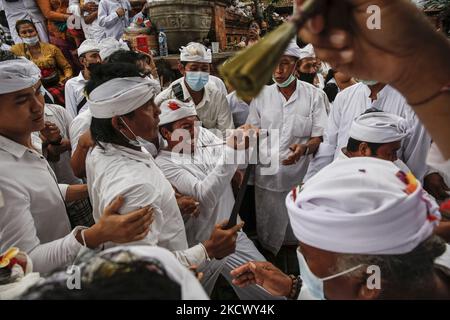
90	58
346	287
284	69
22	112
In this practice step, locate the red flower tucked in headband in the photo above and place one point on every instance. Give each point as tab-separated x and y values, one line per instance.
173	106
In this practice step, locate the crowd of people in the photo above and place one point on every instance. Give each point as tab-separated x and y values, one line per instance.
105	165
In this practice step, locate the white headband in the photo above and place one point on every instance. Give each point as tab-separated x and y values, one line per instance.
18	74
110	45
362	206
88	45
120	96
173	110
195	52
293	49
379	127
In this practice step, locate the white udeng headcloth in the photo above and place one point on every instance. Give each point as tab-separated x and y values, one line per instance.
195	52
18	74
110	45
120	96
379	127
307	52
293	49
362	206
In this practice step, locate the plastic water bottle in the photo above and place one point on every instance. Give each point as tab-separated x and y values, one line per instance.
162	40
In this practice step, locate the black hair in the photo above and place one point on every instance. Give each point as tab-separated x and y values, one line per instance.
102	130
353	145
164	70
330	75
125	56
167	126
7	55
134	280
22	22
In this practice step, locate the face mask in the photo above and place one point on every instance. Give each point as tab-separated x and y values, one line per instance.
307	77
31	41
139	141
314	284
196	80
368	82
288	81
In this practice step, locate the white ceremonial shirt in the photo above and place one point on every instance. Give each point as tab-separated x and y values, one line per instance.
73	93
297	120
239	109
113	25
219	84
34	217
117	170
78	126
213	110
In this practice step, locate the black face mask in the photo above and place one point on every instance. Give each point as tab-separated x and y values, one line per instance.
307	77
92	66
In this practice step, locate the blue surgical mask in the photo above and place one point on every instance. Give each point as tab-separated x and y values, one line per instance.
312	283
196	80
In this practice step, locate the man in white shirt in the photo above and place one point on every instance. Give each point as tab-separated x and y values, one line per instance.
204	173
124	117
195	85
239	109
88	54
294	113
352	102
34	217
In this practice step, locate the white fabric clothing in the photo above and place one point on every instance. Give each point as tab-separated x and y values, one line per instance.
18	74
219	84
25	10
379	127
117	170
195	52
34	217
213	110
173	110
110	45
375	211
78	126
293	49
92	30
88	45
74	94
297	120
113	25
352	102
239	109
120	96
207	178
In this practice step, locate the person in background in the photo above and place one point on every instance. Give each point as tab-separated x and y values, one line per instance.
294	112
60	31
195	85
25	10
89	56
55	70
88	13
308	67
253	36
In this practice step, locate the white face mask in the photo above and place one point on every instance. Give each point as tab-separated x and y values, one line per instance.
311	282
139	141
368	82
31	41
